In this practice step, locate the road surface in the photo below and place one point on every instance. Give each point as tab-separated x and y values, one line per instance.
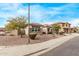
70	48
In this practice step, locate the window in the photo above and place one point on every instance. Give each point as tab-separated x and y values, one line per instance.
35	29
66	25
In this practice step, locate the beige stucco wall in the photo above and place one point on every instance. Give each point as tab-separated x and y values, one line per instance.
27	30
62	30
44	29
68	25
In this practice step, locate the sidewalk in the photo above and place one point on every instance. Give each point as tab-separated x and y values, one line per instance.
32	48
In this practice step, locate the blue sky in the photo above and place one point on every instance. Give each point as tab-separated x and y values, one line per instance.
8	10
41	13
56	12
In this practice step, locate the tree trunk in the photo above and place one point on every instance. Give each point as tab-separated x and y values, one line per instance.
19	33
21	36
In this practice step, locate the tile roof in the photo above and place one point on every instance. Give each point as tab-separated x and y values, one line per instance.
36	24
61	23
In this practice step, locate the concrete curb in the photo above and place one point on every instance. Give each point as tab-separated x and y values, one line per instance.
31	48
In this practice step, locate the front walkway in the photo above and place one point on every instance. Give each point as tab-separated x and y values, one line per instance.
31	48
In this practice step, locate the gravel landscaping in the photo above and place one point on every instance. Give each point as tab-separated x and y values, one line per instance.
17	40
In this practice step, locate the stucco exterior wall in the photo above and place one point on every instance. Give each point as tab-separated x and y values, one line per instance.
45	30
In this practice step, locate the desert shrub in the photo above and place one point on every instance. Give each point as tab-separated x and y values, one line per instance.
43	33
49	32
61	33
32	35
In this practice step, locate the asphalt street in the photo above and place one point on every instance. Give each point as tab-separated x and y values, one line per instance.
69	48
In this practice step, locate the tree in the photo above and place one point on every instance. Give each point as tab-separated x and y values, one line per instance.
56	28
17	23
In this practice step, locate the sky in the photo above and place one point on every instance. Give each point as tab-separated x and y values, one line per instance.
8	10
44	13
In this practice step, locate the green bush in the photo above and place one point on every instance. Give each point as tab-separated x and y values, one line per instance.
43	33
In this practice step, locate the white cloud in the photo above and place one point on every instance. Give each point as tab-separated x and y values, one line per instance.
42	14
9	6
37	13
23	12
49	22
11	10
74	22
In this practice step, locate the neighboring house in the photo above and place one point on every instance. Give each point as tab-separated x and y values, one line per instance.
2	31
46	29
65	27
34	27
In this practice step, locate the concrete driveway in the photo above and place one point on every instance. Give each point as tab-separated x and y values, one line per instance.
70	48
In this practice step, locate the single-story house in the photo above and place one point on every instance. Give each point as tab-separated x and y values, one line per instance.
33	27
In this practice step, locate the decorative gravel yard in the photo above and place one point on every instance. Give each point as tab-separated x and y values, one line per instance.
17	40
